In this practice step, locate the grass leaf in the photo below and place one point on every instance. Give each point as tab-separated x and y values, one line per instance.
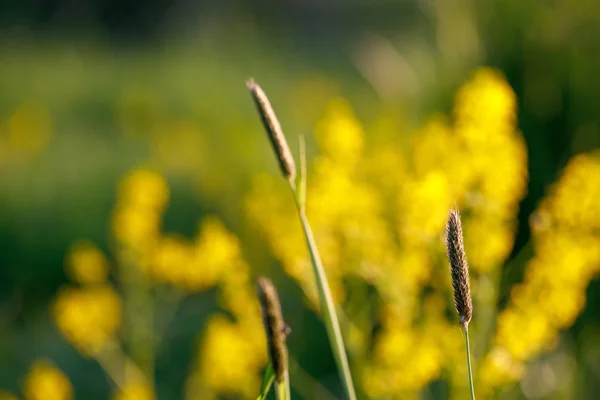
267	382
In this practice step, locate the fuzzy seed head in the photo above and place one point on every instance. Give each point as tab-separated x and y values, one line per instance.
274	131
459	268
275	327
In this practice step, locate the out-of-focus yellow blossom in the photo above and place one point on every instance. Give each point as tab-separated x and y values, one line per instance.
29	130
485	123
486	98
145	189
488	240
135	391
171	259
198	264
46	382
5	395
231	354
379	213
340	134
87	264
424	206
136	227
142	197
87	317
216	250
567	257
229	357
574	200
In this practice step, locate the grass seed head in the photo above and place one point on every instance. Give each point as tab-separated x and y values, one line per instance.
275	327
274	131
459	269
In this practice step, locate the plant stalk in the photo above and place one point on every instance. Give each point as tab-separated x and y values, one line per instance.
466	329
326	300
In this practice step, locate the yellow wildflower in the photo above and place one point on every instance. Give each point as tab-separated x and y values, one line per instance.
136	227
142	197
486	98
145	189
229	359
46	382
135	391
567	255
87	317
340	134
214	252
424	206
86	263
488	241
171	259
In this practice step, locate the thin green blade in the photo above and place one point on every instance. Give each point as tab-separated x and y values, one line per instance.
267	382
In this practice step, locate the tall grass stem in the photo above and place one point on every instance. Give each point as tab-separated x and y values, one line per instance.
326	300
466	329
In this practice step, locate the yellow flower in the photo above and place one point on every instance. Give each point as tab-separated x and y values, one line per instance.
145	189
214	252
486	98
574	199
499	368
567	255
46	382
171	260
142	196
135	391
488	241
424	205
136	227
340	134
86	263
230	362
87	317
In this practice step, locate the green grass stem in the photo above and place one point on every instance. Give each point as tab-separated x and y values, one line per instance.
326	300
466	330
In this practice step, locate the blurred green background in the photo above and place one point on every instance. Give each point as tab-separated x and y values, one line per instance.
90	90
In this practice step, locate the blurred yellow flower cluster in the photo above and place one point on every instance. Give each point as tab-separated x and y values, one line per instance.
566	241
46	382
199	264
88	317
142	197
135	391
90	314
379	213
232	351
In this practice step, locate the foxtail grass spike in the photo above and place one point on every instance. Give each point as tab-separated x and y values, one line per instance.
274	131
460	282
275	328
459	269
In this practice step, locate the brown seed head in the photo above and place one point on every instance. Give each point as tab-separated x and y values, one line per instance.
275	327
274	131
459	268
